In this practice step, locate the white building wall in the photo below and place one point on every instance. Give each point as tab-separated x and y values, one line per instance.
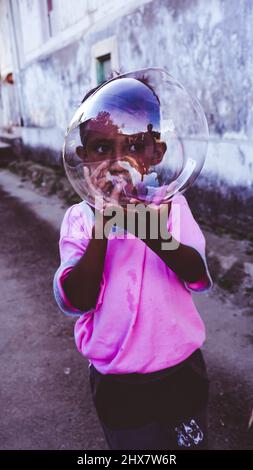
10	112
205	45
34	34
6	47
72	13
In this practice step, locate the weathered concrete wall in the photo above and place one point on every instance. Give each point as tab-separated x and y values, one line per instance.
9	104
205	45
208	47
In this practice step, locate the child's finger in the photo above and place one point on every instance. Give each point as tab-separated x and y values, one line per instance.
101	182
99	169
85	172
134	201
91	187
115	194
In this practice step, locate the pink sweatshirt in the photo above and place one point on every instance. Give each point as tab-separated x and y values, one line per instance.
145	319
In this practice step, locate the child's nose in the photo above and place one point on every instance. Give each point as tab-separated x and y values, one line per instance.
119	152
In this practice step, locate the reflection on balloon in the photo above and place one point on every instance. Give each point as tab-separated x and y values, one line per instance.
140	135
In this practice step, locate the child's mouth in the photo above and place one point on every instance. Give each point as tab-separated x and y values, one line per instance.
115	172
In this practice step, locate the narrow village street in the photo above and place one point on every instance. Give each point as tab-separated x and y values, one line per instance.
45	394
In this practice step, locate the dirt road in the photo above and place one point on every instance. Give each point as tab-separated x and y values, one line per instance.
45	396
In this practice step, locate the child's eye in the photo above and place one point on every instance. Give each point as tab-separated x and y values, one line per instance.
102	149
136	148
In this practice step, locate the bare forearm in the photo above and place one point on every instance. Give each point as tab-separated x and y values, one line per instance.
82	285
185	261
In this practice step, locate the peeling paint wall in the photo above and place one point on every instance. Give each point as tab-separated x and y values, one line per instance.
207	45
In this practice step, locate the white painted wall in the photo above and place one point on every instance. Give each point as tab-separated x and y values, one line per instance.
6	47
31	19
207	45
10	106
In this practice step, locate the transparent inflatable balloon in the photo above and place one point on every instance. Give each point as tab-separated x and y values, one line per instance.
139	136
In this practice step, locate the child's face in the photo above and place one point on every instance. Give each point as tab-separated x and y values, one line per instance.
118	150
105	142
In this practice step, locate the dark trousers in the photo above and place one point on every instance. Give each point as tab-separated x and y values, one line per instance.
167	411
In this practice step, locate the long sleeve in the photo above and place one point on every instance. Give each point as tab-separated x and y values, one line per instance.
75	234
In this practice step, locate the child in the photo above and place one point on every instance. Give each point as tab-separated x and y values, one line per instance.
137	323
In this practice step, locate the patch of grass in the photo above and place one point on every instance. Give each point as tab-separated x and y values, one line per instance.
249	290
214	267
38	180
233	278
220	230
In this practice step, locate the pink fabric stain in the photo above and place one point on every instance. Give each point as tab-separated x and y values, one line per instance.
130	299
132	273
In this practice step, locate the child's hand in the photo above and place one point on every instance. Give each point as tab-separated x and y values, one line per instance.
96	180
103	185
97	184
